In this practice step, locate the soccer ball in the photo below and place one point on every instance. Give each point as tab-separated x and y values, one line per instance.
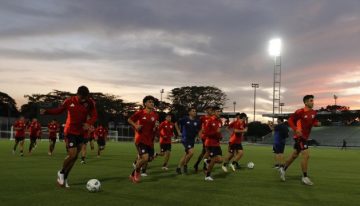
93	185
250	165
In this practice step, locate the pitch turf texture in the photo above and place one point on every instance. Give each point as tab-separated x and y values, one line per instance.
30	180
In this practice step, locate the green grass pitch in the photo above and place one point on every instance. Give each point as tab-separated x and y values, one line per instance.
31	180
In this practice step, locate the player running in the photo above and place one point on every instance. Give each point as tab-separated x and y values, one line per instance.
144	122
188	128
281	132
53	128
78	107
235	150
212	131
19	127
301	122
166	132
101	136
35	132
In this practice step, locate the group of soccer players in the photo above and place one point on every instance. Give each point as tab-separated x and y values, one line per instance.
82	115
146	125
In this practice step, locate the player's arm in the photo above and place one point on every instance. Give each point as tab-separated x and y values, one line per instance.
133	119
93	117
177	127
293	123
56	111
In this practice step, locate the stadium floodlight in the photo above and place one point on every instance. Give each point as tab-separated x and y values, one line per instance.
275	47
275	51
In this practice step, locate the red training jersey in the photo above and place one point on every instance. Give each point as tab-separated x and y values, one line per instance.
53	128
211	132
236	137
303	119
101	132
147	132
20	128
204	119
35	129
166	129
77	113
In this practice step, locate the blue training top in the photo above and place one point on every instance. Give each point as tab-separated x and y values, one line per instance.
189	128
281	132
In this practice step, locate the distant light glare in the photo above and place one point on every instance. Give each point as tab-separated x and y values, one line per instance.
275	47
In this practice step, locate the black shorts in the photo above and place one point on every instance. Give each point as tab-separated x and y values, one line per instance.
74	140
278	148
188	145
101	142
300	145
53	140
144	149
214	151
235	147
165	147
19	139
33	138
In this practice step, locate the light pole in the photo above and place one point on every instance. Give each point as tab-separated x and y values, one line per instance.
234	103
335	98
275	51
253	85
161	94
281	106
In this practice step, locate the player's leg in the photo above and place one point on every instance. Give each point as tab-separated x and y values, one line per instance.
189	155
304	167
83	153
101	147
92	144
22	141
200	158
227	159
239	154
167	157
32	143
15	144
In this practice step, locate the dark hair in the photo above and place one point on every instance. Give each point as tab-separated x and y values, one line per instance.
243	115
237	114
147	98
216	108
307	97
83	91
281	119
190	108
207	107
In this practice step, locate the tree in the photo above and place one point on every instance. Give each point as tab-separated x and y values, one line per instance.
195	96
7	106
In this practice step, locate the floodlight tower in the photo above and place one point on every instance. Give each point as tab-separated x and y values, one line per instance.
275	51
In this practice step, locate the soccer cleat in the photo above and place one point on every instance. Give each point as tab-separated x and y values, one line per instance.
232	167
178	171
132	179
165	168
60	179
144	174
282	174
49	153
137	176
224	168
83	162
21	154
306	181
134	165
209	178
13	152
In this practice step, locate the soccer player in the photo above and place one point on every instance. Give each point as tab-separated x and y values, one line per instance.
166	131
301	122
203	120
19	127
188	127
101	136
212	131
35	132
144	122
281	132
235	150
53	128
79	107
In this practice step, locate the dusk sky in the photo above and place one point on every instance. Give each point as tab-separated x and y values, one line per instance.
133	48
